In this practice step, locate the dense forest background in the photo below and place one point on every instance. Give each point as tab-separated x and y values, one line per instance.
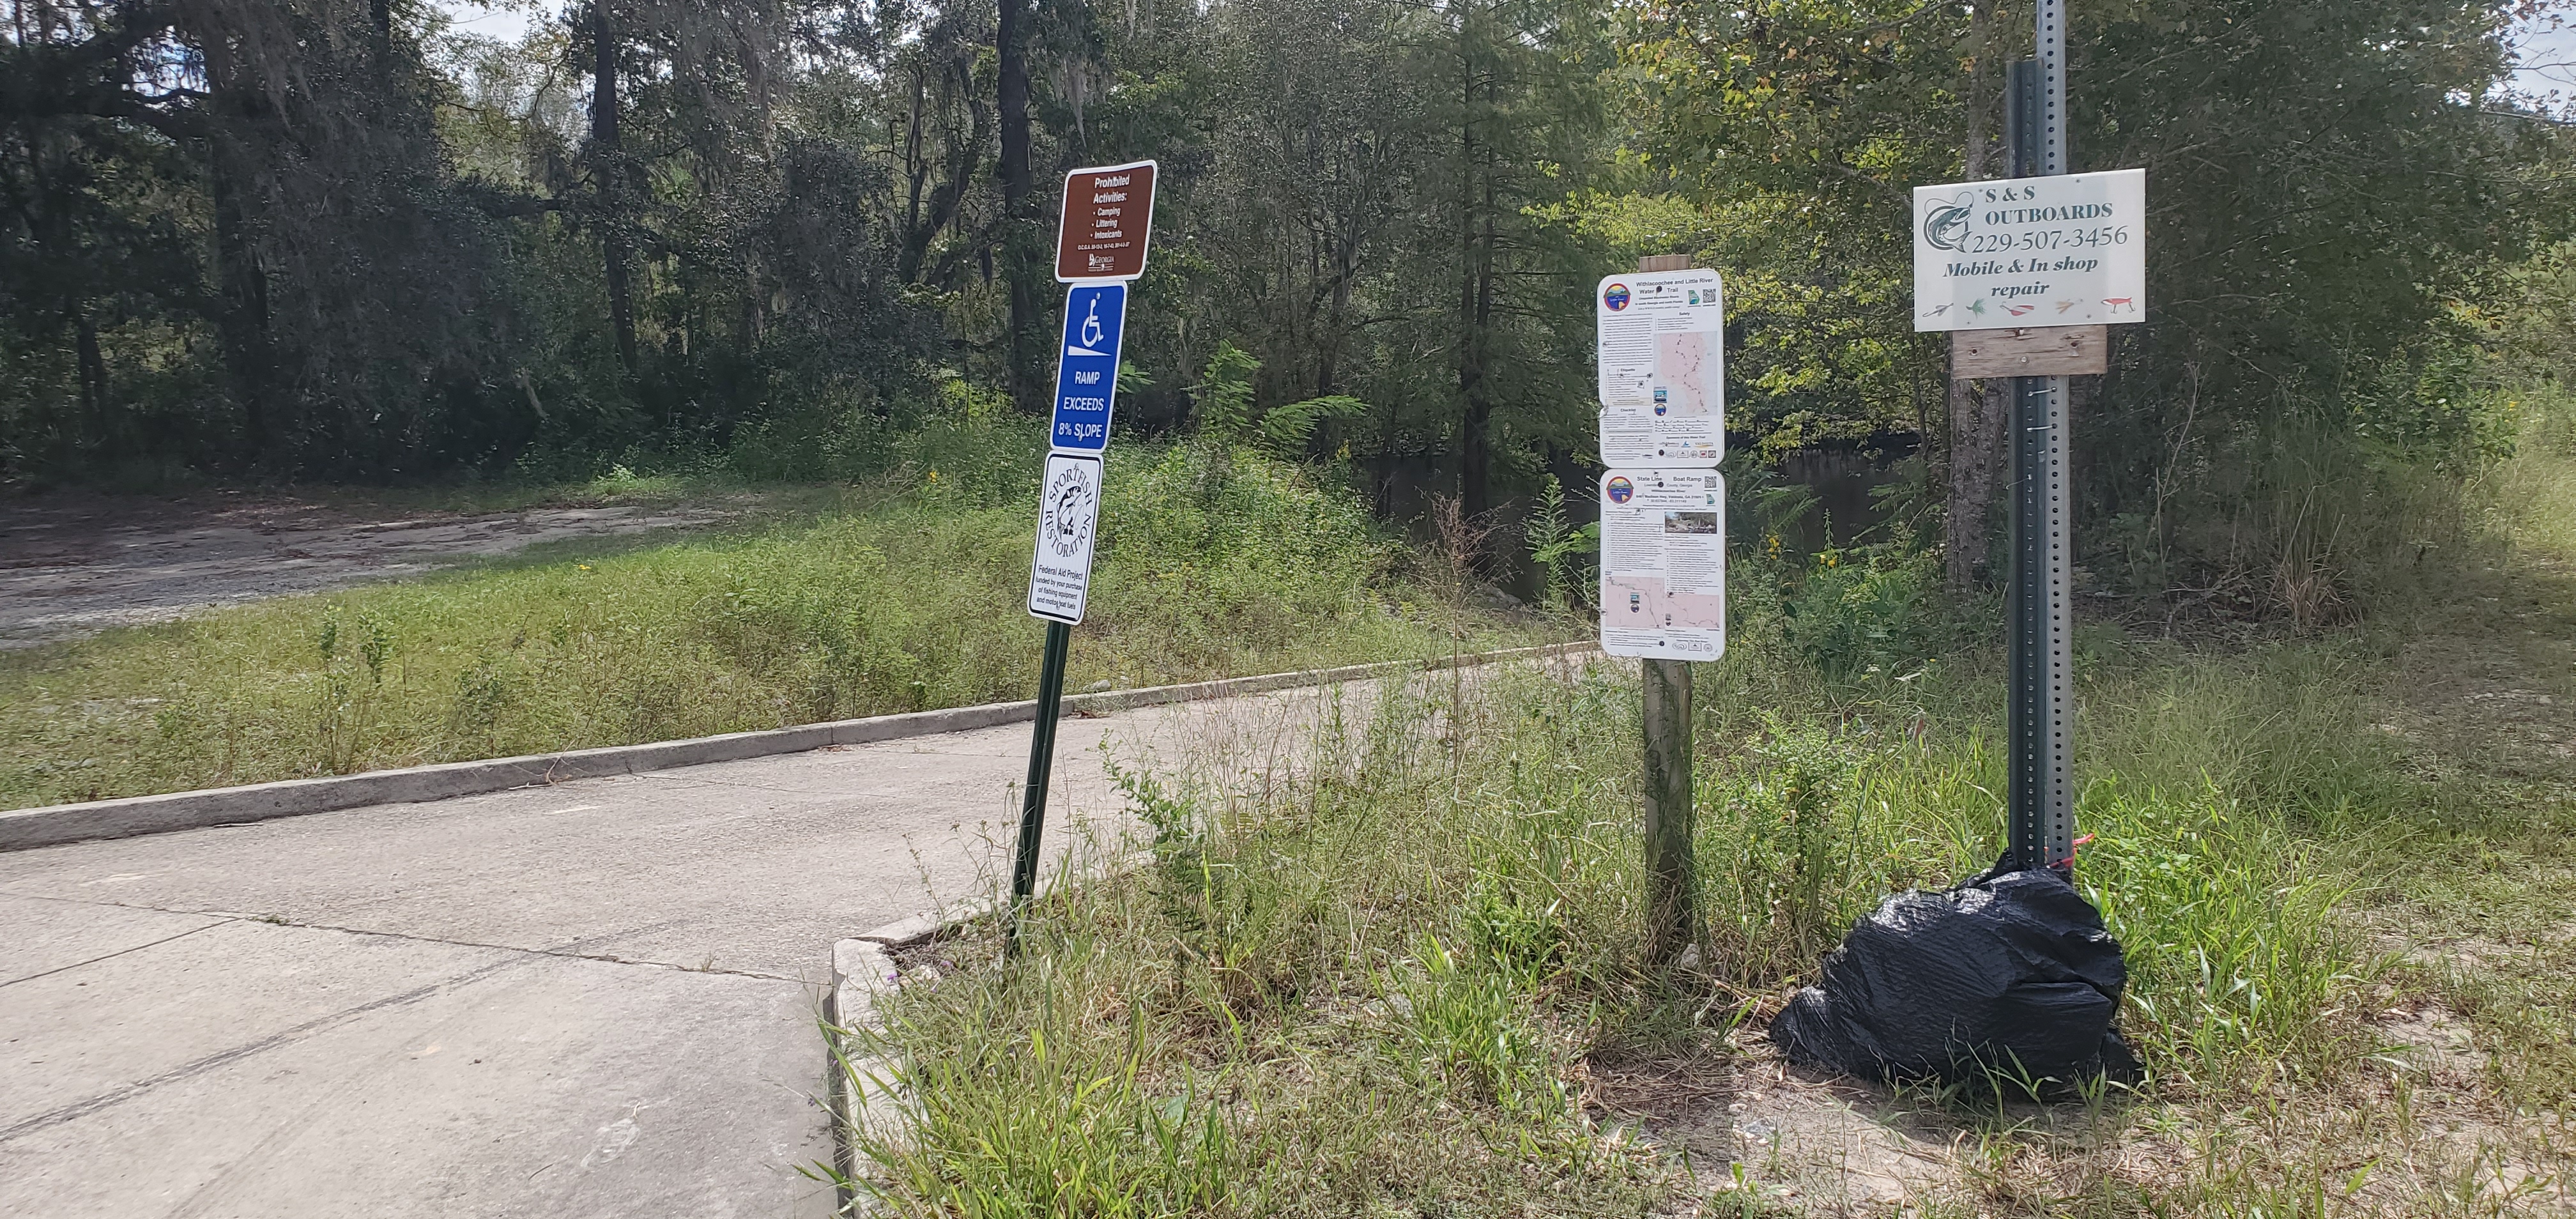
327	240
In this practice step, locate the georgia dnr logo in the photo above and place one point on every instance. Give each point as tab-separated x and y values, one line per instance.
1945	225
1064	521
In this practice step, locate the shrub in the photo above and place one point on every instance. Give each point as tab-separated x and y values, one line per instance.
1860	609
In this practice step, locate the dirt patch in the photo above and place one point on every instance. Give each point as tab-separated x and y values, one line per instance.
2428	1038
2484	687
72	566
1802	1140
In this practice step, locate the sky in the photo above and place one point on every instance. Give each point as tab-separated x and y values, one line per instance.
2548	60
2548	56
472	17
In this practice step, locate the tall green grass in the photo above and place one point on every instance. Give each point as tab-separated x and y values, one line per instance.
907	596
1379	978
1330	1003
1443	897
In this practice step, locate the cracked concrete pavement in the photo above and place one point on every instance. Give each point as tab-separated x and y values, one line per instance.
594	998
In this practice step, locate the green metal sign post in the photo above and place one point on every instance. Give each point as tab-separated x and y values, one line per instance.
1033	795
1102	236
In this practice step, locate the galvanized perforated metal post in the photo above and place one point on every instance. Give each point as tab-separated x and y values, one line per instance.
2052	87
2040	705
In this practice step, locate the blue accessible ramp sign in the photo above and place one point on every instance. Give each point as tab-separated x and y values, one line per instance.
1086	375
1101	240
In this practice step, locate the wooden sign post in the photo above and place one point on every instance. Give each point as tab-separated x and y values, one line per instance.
1683	380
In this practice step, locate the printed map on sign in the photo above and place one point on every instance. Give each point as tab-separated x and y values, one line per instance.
1687	374
1641	604
1662	347
1663	564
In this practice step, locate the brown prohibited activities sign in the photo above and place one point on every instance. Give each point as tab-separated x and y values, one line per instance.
1108	219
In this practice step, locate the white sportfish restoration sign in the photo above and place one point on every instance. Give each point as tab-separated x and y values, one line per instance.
1068	526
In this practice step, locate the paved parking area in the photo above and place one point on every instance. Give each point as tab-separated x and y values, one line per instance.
595	998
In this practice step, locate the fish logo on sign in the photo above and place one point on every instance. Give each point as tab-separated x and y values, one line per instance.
1945	225
1065	520
1068	527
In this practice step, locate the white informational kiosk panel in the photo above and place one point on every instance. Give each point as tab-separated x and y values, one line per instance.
1663	563
1662	344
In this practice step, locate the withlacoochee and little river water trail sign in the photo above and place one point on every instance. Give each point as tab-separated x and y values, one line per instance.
1662	348
1662	382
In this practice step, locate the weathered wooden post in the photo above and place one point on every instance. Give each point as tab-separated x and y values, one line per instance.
1672	873
1672	877
1663	545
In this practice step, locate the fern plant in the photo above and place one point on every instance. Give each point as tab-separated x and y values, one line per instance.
1228	414
1558	550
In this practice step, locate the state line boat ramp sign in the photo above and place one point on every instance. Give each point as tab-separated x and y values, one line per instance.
1662	344
1663	564
2069	250
1086	372
1068	520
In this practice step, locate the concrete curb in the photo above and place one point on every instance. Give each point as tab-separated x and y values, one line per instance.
23	829
928	925
863	1100
861	971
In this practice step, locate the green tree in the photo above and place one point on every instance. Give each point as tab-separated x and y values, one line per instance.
2325	182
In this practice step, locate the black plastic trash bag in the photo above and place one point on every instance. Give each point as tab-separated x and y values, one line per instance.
2009	978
